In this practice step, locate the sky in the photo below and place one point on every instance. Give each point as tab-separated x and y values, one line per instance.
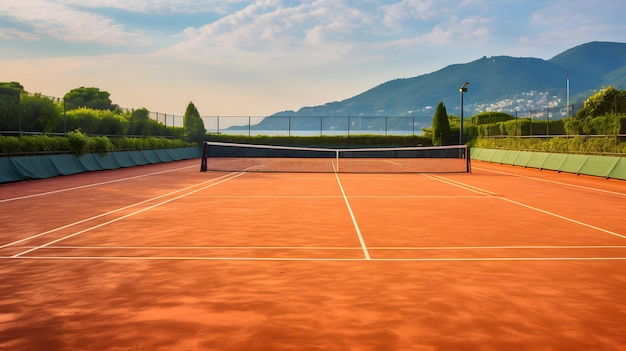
256	58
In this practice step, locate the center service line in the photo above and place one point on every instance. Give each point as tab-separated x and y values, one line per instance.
356	226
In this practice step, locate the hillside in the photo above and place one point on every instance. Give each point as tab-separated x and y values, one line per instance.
593	62
498	83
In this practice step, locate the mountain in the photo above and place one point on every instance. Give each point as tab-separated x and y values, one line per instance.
499	83
593	61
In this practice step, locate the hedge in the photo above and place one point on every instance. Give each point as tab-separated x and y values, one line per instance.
79	143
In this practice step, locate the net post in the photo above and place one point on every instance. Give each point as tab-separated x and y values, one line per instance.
337	160
468	159
203	164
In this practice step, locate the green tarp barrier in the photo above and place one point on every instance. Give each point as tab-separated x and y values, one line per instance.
152	156
90	163
8	172
67	164
554	162
138	157
601	166
35	167
619	169
574	163
13	169
123	159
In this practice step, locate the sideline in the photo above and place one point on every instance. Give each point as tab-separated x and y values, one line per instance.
213	182
552	181
92	185
478	190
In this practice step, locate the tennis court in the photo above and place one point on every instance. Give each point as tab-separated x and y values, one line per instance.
164	257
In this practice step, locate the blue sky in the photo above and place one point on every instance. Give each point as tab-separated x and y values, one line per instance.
254	58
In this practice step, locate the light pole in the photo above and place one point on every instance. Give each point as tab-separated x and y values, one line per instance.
462	90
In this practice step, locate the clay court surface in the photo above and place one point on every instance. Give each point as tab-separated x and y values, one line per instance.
165	257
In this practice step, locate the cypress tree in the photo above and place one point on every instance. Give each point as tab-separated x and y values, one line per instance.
441	126
194	126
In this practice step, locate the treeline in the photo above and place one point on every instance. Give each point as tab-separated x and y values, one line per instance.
77	142
607	125
599	127
603	113
88	110
86	120
561	144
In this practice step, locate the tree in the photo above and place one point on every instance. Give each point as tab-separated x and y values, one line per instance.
39	113
92	98
607	100
194	126
138	121
10	105
441	126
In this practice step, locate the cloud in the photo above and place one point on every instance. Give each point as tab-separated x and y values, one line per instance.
272	31
46	19
320	32
397	14
16	34
160	6
576	21
274	54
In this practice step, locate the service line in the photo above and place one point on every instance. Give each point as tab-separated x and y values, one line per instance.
553	182
478	190
107	213
212	182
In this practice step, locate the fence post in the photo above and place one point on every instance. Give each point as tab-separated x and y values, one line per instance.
386	125
531	122
548	122
349	125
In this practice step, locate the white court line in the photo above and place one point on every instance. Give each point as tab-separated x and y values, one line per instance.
472	188
460	185
339	196
564	218
518	247
232	176
192	248
554	182
90	185
107	213
339	248
312	259
354	222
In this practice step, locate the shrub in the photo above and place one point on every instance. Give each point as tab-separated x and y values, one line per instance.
32	144
10	145
78	142
99	144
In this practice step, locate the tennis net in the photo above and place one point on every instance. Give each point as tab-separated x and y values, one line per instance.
232	157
